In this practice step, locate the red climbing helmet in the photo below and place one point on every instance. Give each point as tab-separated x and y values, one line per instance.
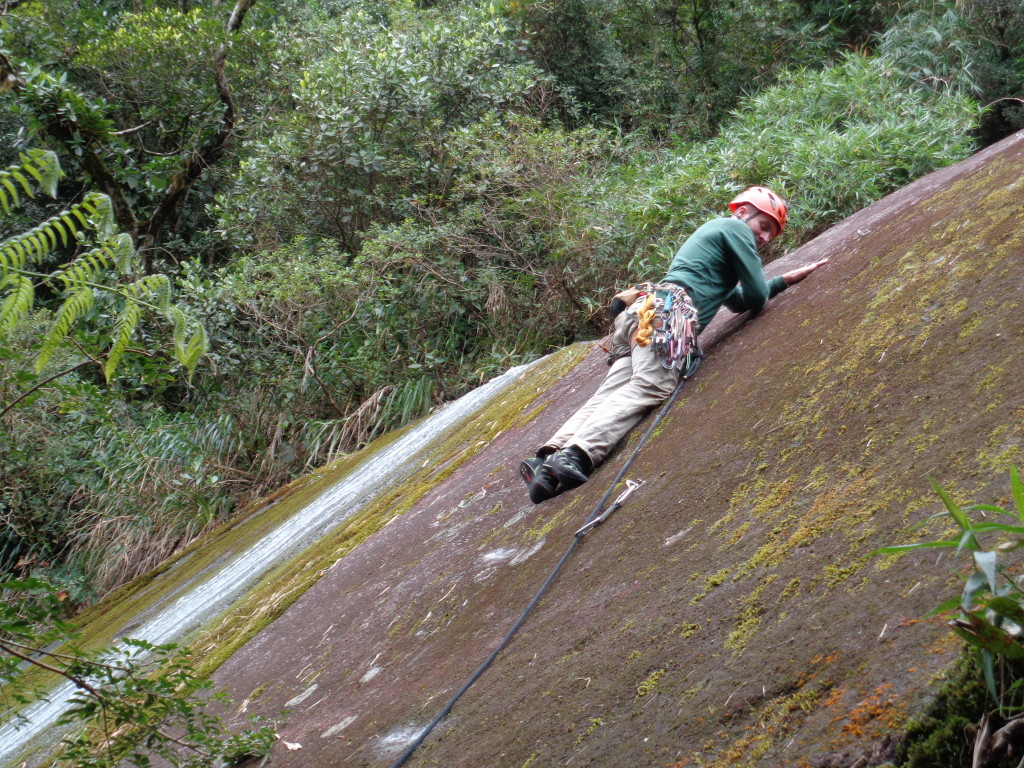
766	201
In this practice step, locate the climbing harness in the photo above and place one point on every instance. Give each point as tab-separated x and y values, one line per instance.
593	520
667	322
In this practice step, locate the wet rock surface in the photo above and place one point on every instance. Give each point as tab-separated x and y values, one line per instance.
730	613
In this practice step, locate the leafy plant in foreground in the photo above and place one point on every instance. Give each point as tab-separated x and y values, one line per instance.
133	702
991	609
102	271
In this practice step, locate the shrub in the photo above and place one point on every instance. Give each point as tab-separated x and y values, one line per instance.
367	140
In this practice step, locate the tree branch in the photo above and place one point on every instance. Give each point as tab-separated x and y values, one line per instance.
43	383
49	668
207	155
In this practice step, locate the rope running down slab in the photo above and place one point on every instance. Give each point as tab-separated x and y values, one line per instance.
698	357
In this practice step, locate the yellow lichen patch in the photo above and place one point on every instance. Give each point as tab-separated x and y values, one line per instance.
685	631
774	720
648	684
749	616
710	582
1005	447
550	523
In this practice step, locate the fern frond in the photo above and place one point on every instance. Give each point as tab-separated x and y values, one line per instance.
8	193
154	288
195	350
19	300
123	330
31	246
103	216
116	252
44	166
41	165
180	320
124	253
191	352
76	305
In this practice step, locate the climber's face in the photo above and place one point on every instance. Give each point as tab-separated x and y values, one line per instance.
764	227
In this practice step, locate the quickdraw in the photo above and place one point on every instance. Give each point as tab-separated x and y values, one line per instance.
668	323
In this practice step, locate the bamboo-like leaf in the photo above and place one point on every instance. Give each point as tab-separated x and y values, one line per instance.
18	302
946	605
1008	608
986	563
951	506
987	668
123	330
982	634
974	584
1017	489
907	547
70	311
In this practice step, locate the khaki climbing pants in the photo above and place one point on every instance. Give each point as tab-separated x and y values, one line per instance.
636	383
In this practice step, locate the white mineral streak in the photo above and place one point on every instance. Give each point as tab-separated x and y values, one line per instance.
229	582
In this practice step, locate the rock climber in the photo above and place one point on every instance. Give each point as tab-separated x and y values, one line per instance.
654	336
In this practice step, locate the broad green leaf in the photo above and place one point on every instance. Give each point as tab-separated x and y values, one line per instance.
986	563
975	582
981	634
1008	608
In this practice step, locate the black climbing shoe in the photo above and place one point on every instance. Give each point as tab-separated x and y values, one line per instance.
544	485
571	466
528	468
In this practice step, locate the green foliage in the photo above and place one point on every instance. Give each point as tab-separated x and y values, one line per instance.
366	140
86	275
49	102
940	736
667	66
158	64
134	702
860	117
41	166
991	606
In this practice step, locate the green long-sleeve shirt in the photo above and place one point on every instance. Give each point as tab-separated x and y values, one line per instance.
718	264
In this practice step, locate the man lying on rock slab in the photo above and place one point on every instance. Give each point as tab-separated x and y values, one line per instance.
654	337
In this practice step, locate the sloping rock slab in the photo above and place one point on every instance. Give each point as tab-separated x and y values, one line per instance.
731	613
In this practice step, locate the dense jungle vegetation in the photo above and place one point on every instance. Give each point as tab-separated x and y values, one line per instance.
373	206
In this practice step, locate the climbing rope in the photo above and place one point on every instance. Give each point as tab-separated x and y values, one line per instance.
594	519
